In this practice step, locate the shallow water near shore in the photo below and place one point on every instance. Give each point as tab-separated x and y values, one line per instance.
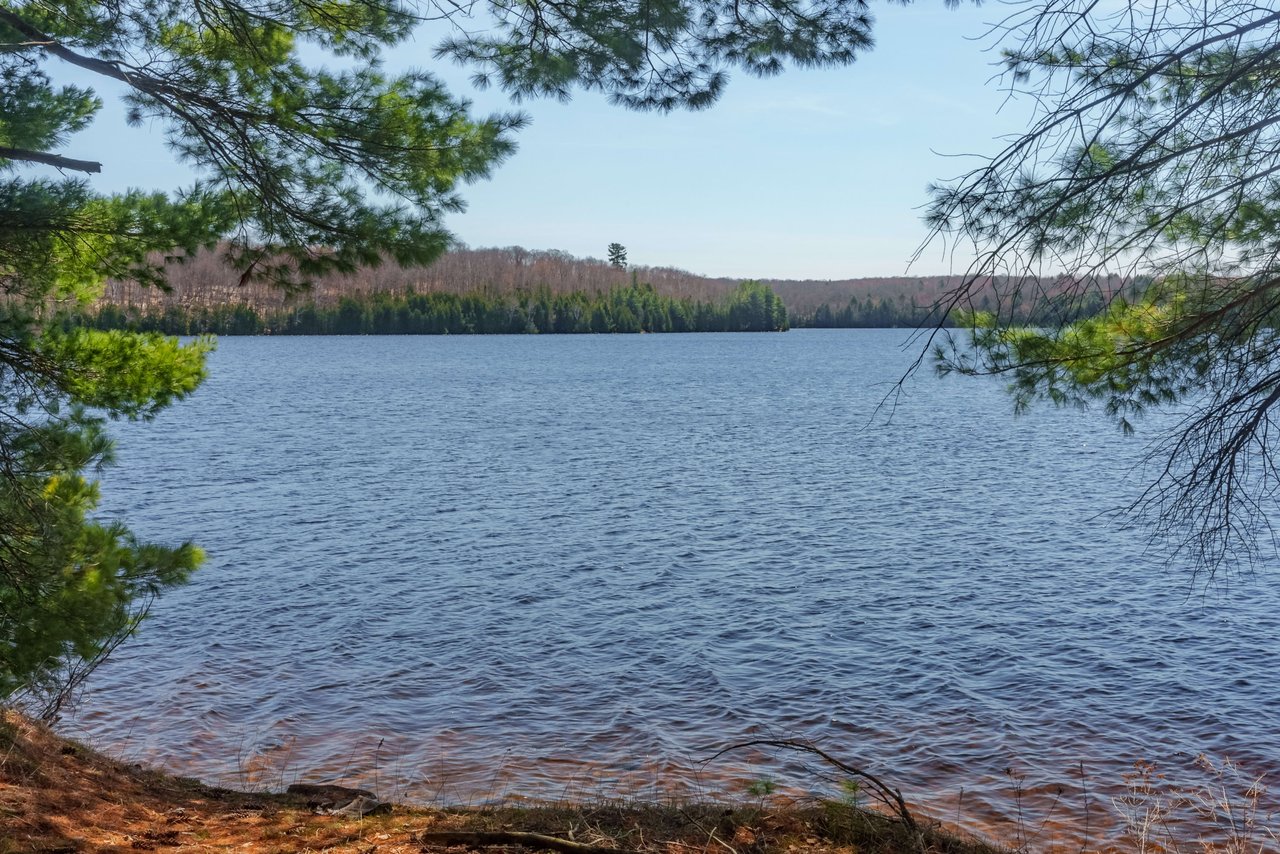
469	568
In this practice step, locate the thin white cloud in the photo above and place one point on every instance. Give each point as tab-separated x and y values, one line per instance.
814	104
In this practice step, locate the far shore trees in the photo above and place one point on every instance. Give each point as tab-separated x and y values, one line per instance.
751	307
205	283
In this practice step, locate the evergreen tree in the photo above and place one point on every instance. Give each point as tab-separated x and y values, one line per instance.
618	256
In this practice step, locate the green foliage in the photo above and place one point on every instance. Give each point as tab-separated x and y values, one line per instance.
71	586
618	256
657	54
134	375
869	313
58	239
755	307
1105	358
290	155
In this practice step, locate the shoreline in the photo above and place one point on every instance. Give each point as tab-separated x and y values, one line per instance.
60	796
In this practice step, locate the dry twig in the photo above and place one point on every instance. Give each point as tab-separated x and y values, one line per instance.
490	838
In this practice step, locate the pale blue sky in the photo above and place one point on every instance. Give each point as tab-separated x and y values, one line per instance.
812	174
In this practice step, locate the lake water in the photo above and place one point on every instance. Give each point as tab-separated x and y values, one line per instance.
468	568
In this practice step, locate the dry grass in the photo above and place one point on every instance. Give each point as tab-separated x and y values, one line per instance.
58	796
1217	809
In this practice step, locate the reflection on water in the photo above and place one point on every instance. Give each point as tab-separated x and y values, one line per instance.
471	568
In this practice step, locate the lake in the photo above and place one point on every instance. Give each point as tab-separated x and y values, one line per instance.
462	569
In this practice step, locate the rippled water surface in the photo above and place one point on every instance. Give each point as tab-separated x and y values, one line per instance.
468	568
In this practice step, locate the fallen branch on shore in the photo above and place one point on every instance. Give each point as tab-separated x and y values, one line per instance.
882	791
491	838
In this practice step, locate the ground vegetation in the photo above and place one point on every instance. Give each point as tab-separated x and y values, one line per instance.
60	796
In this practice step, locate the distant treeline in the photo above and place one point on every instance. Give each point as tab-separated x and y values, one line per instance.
751	307
208	295
869	313
906	312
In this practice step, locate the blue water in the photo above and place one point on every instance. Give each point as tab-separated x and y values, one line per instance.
463	568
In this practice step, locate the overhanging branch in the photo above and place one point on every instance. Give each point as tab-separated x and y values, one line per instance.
50	159
88	63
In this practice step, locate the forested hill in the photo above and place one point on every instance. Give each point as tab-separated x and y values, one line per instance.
205	283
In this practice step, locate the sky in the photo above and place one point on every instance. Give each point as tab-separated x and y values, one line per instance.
813	174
